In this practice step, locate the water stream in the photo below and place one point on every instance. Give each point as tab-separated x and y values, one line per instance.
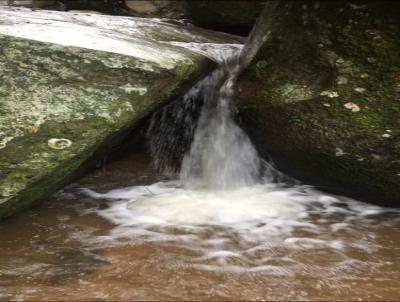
162	242
222	224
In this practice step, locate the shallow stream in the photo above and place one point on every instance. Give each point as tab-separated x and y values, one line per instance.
260	243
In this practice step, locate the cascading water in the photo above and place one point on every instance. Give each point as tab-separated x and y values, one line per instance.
225	201
221	155
219	177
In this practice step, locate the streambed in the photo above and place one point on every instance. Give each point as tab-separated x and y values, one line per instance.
76	247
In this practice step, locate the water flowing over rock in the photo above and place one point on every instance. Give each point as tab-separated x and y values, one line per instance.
221	156
322	96
73	85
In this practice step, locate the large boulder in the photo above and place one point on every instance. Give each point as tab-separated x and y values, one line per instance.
323	96
73	85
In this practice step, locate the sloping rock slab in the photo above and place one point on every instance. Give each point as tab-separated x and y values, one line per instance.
72	85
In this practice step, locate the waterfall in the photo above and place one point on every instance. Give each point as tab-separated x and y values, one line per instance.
221	155
225	206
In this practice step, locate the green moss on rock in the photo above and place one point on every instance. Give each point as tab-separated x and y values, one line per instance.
323	97
90	99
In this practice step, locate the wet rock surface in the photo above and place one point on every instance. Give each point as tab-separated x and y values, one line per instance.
323	98
73	85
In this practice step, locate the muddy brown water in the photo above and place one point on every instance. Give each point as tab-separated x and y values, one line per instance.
46	253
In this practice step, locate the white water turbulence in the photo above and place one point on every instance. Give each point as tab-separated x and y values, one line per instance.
221	156
225	202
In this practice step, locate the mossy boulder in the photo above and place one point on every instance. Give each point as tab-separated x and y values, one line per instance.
323	97
73	85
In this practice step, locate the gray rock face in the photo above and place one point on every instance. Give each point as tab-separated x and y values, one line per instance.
323	96
72	85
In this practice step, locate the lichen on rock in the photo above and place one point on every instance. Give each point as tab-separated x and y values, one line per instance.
59	143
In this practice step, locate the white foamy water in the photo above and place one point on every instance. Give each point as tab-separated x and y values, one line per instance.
239	230
166	204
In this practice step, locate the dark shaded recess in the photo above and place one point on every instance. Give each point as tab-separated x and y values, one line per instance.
138	139
167	130
381	8
232	16
111	7
378	8
299	172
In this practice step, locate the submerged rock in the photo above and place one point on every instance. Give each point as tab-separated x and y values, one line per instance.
323	96
73	85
